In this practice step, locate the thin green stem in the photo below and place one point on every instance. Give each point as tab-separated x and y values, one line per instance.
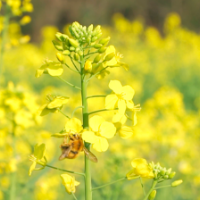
88	184
64	170
71	68
113	182
63	113
74	196
102	110
141	182
70	84
164	186
151	189
91	53
94	96
74	64
76	110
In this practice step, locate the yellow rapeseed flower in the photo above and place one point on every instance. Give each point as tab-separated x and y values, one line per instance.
122	97
140	168
100	131
69	182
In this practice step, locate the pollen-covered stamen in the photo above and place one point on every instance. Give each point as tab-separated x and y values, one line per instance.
32	158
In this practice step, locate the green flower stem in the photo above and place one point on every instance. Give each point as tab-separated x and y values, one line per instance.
76	110
74	196
88	184
63	113
64	170
91	53
71	68
113	182
102	110
74	64
94	96
152	188
142	186
70	84
4	36
164	186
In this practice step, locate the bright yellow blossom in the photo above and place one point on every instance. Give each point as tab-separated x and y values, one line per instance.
69	182
122	97
36	158
53	105
140	168
100	131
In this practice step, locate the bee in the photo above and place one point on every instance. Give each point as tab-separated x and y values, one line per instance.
72	148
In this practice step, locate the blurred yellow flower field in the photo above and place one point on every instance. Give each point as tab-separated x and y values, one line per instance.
163	77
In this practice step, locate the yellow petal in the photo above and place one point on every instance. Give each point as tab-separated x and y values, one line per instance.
107	130
89	136
73	125
55	69
110	101
125	132
118	117
95	122
115	86
39	151
130	104
121	106
101	144
128	92
58	102
138	161
31	169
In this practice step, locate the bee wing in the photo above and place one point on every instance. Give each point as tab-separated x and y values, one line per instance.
90	155
65	153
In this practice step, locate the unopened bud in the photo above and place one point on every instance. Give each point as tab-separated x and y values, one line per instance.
162	172
97	46
76	57
166	176
61	37
176	183
97	58
73	42
102	50
171	175
109	56
97	30
90	28
104	41
99	35
60	57
66	52
88	66
152	195
57	45
72	49
94	39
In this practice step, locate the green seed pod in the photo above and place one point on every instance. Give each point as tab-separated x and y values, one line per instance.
109	56
176	183
76	57
102	49
172	174
97	46
57	45
73	42
60	57
97	58
66	52
72	49
152	195
104	41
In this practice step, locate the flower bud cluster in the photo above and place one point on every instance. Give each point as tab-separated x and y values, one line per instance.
161	173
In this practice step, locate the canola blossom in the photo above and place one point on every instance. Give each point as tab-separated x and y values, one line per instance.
100	131
69	182
122	97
